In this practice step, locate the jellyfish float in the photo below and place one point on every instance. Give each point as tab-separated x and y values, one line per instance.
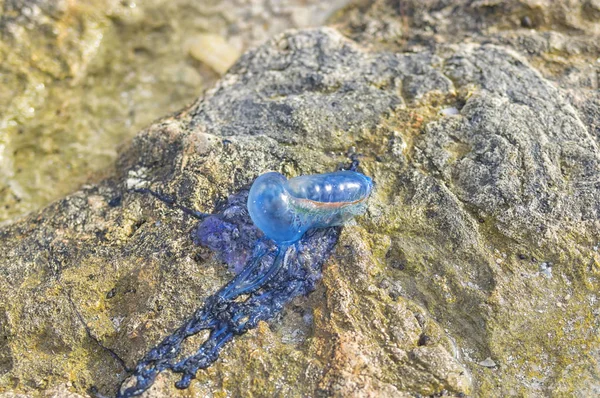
288	227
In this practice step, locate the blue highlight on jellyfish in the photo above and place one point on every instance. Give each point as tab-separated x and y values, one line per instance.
285	209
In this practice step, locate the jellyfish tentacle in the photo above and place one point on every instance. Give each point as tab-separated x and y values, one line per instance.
161	356
204	357
202	320
256	308
234	319
256	283
230	290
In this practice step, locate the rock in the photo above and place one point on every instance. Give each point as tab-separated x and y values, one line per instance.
458	198
488	363
214	51
79	79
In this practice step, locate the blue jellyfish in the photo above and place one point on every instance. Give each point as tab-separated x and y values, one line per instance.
277	225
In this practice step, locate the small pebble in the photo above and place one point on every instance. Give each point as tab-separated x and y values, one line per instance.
449	111
214	51
423	340
488	363
526	22
546	270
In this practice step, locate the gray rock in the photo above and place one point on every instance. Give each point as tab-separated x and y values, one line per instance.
470	206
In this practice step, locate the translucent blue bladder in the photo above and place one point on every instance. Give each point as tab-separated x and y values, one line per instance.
285	209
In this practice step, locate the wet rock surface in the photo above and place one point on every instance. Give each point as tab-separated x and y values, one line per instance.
474	272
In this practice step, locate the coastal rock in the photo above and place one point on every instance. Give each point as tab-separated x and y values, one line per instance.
441	274
79	79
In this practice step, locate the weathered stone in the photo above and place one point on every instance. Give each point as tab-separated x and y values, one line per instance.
81	78
468	206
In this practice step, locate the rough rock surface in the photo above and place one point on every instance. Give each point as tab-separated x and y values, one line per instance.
80	78
474	272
